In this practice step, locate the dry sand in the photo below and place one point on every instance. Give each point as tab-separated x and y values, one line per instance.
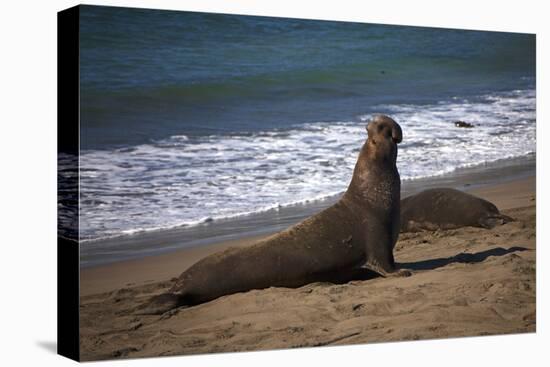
465	282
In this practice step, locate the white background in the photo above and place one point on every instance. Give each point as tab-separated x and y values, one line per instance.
28	181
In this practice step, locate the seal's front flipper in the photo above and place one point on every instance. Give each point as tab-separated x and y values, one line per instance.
379	243
395	272
160	304
403	273
494	220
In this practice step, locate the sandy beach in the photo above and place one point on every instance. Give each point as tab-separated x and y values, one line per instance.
465	282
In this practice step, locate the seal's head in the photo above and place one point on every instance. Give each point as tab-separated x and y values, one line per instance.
384	135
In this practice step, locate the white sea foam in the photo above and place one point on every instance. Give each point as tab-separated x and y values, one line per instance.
187	181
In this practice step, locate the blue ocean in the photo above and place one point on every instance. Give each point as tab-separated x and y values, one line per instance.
189	118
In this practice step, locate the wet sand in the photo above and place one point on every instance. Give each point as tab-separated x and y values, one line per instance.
465	282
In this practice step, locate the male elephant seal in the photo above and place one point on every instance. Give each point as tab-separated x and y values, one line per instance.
445	208
360	229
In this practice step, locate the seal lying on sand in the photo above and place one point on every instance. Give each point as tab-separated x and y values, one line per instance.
361	228
445	208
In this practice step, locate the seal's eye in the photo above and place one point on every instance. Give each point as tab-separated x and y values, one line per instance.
379	128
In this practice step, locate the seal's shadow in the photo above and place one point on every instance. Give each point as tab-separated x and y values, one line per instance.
462	258
431	264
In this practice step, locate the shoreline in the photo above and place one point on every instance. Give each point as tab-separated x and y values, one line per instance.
512	192
257	225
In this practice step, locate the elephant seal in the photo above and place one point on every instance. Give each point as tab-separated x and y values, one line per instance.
445	208
360	229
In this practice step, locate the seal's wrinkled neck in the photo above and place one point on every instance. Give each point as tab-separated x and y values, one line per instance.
375	175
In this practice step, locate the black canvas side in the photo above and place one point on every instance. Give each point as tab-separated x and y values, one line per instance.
67	189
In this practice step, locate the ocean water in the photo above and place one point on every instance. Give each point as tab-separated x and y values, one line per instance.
188	118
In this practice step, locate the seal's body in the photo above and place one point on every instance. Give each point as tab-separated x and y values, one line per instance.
361	228
445	208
